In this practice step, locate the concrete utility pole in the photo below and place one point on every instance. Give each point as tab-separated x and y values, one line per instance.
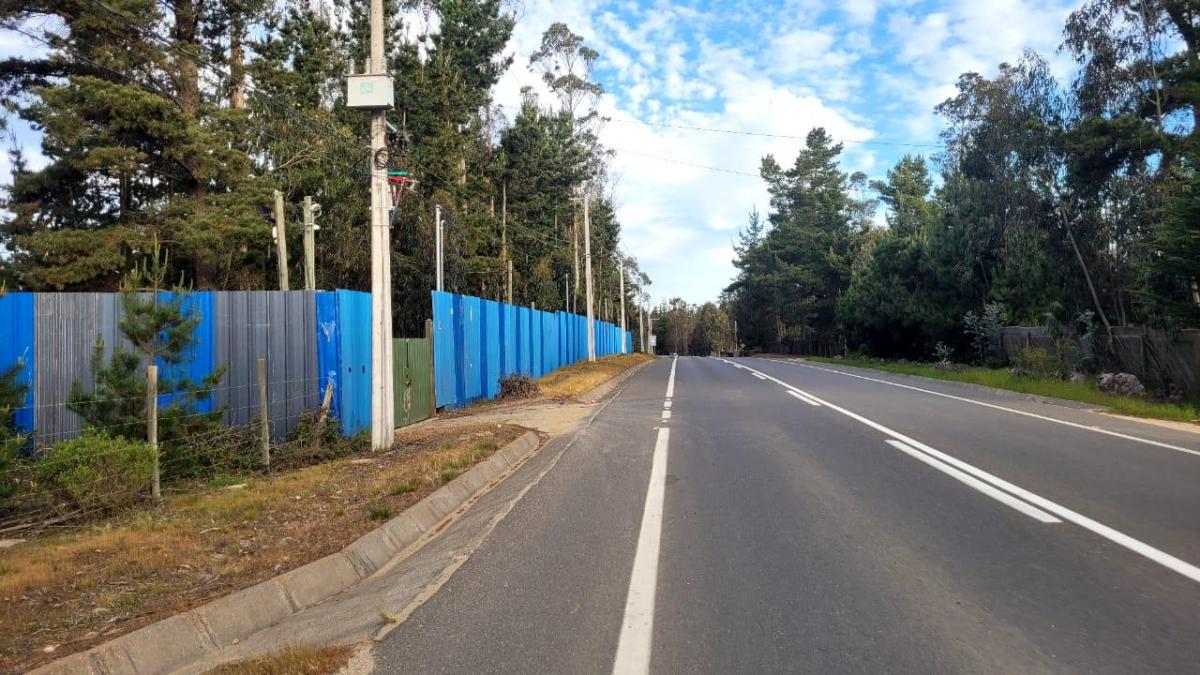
310	243
383	416
622	301
587	258
437	237
281	241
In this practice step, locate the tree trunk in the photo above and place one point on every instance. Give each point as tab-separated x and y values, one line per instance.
237	61
1087	276
186	38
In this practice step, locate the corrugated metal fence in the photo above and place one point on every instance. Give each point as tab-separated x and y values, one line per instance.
478	342
53	336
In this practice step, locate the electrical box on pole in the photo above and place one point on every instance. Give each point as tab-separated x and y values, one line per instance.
372	91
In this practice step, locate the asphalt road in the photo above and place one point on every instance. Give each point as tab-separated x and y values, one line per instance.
793	517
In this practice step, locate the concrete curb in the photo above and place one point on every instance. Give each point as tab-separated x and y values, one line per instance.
601	390
179	640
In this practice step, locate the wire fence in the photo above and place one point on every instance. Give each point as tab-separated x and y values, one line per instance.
157	449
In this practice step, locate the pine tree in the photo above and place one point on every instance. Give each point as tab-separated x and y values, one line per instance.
161	326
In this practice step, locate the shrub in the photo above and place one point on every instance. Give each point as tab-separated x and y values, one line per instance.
97	471
984	330
1037	362
518	386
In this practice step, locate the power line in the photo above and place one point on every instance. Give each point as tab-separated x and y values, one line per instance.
686	163
762	134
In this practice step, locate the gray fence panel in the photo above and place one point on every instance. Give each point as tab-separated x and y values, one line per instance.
65	336
281	328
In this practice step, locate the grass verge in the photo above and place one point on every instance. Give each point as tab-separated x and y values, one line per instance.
577	378
1084	392
292	661
65	591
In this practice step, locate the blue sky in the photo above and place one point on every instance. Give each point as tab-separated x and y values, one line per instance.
869	71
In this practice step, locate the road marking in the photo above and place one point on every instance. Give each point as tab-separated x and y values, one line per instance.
1161	557
637	629
803	397
667	404
759	376
671	380
1076	425
666	415
1003	497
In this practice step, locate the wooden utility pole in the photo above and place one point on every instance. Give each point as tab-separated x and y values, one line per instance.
575	249
264	417
310	243
152	426
383	415
504	236
281	241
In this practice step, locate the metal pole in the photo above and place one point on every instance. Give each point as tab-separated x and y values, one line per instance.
152	425
382	395
437	236
281	241
310	246
587	257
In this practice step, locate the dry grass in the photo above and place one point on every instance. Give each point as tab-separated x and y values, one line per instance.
292	661
577	378
78	587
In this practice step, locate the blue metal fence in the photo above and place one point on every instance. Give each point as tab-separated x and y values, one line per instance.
478	342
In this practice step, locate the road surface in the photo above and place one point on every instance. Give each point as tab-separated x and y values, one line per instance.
746	515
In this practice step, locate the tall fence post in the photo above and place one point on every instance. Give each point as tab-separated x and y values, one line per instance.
432	374
264	421
152	425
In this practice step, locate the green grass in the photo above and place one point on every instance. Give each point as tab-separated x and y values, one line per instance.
1084	392
410	485
379	513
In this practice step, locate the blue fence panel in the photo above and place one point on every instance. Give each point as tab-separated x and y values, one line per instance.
472	345
445	363
197	361
478	342
354	326
491	348
17	346
328	364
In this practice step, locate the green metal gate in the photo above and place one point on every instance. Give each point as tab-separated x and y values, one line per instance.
412	375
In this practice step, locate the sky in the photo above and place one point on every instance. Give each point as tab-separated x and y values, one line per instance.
868	71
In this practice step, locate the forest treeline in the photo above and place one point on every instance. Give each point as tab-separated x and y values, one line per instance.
175	122
1073	204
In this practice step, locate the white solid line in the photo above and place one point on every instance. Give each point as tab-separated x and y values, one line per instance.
637	629
1161	557
671	380
804	398
1003	497
1099	430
